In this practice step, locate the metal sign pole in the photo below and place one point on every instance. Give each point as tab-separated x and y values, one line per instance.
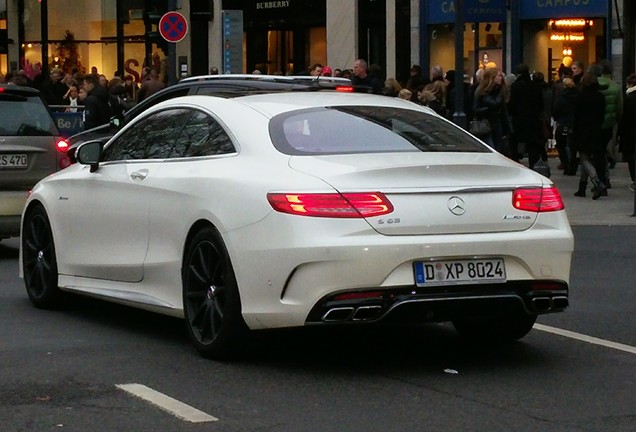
459	117
634	182
173	74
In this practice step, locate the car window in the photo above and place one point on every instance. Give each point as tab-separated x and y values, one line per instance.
25	116
367	129
202	136
153	137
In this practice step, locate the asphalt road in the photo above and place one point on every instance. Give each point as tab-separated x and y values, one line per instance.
59	370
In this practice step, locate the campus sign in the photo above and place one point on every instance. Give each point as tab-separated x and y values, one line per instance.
443	11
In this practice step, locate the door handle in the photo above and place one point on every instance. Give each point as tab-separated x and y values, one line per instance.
139	175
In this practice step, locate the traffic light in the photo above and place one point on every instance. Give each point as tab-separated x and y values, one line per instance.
153	11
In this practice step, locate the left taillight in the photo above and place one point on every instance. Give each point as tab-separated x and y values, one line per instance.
537	200
334	205
62	158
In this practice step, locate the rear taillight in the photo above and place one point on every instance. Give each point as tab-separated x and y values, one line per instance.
62	146
62	159
537	200
335	205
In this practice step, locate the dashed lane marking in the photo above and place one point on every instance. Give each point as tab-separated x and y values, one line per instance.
166	403
589	339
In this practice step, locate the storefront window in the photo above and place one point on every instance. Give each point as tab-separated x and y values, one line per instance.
82	36
548	43
4	44
483	46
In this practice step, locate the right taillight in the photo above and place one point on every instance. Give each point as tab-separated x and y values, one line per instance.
62	159
335	205
538	199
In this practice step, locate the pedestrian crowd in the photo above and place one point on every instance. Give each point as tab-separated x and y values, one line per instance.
584	112
96	96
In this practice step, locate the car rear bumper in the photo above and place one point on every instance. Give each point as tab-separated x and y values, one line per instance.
11	206
413	304
9	226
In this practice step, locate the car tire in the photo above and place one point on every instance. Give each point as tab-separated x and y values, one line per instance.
39	262
501	328
211	300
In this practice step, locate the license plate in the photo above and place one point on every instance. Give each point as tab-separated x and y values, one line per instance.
457	272
13	160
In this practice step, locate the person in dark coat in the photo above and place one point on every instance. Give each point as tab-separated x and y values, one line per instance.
415	79
489	103
53	89
589	113
97	110
627	126
527	113
563	114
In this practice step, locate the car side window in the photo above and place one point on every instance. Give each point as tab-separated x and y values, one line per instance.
202	135
153	137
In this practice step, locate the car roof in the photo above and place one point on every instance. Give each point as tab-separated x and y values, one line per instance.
271	104
19	90
226	86
235	85
305	80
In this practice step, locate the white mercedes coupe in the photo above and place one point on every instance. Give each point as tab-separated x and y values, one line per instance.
300	209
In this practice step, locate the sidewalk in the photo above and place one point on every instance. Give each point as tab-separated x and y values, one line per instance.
615	209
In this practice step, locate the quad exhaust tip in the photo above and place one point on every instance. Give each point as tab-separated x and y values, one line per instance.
361	313
547	304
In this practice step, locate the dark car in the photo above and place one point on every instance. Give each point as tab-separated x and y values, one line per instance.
216	85
30	149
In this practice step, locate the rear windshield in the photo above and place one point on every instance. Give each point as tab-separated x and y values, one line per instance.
367	129
25	116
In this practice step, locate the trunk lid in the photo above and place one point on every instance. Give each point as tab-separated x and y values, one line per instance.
432	193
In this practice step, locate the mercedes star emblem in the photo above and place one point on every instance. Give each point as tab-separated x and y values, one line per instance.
456	205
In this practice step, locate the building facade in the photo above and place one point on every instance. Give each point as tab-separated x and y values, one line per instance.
287	36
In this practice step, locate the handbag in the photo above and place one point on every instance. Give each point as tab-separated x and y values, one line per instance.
542	168
480	128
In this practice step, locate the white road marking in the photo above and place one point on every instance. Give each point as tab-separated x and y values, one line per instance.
589	339
166	403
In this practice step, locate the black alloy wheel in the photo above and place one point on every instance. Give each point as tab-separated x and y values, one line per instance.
211	301
39	263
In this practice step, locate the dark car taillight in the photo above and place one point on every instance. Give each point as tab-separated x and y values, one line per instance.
62	159
61	146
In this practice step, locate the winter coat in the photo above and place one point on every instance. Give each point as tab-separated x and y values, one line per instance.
563	110
613	101
97	110
589	112
492	107
526	109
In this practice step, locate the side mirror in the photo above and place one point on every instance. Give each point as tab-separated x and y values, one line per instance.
89	153
115	122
